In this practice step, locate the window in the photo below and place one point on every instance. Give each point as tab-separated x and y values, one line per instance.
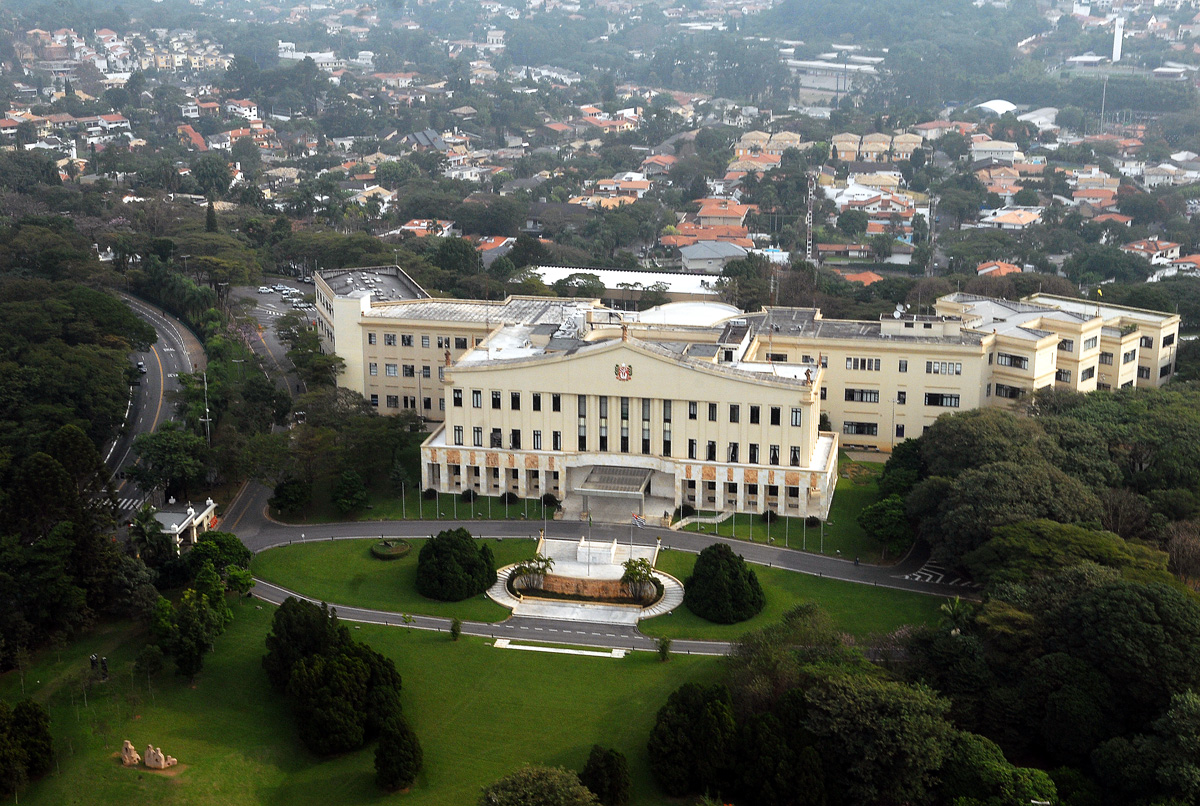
375	401
1147	342
391	370
754	415
871	364
904	365
692	406
460	342
556	402
514	400
1143	373
457	396
940	399
1090	344
425	342
1168	339
862	395
1009	392
794	456
458	435
1129	357
1164	370
1062	375
945	368
775	415
712	412
425	373
900	431
1014	361
495	438
393	401
495	399
410	402
373	368
1087	374
514	439
1106	359
773	454
733	452
777	357
443	342
536	403
752	453
901	398
406	340
691	449
861	429
824	392
537	440
666	411
476	399
796	417
370	338
710	451
427	403
1066	345
441	404
410	371
556	440
389	339
735	413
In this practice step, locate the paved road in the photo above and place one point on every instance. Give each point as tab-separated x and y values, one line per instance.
246	517
176	351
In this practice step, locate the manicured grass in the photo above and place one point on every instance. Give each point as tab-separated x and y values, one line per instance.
856	489
479	712
344	572
411	506
861	610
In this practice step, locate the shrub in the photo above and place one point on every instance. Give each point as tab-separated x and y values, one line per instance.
548	500
392	549
812	522
455	628
398	756
770	516
429	494
469	495
685	511
451	567
607	775
510	498
722	588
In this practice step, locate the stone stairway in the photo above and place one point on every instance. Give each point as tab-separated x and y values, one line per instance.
499	592
672	596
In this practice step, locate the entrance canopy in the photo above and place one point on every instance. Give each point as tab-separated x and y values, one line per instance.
616	482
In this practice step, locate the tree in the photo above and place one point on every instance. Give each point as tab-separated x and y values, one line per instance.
291	494
852	223
210	218
300	629
398	756
722	587
148	539
538	786
692	739
886	740
30	727
349	492
14	770
606	774
887	522
450	567
638	579
457	256
171	458
211	173
192	627
222	549
976	771
239	579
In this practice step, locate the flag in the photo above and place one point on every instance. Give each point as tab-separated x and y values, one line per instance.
589	520
1099	292
638	520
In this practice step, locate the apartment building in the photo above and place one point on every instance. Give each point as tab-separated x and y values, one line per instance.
688	404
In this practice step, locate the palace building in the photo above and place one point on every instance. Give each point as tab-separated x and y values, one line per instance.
696	402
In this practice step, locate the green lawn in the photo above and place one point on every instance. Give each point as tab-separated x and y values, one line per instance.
480	713
856	489
411	506
344	572
861	610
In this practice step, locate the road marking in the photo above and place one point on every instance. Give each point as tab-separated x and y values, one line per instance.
158	408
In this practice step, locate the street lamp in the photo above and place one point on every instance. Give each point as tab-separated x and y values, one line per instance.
207	420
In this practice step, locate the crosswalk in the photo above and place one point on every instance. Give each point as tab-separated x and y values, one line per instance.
937	574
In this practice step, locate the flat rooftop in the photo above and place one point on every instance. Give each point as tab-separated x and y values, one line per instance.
380	283
513	310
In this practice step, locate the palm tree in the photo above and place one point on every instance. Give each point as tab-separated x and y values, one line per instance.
957	615
147	537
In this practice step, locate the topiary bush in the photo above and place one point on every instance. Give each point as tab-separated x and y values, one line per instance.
770	516
510	498
549	501
392	549
452	567
722	588
429	494
685	511
469	495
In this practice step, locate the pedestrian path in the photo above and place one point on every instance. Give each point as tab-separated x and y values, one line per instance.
504	643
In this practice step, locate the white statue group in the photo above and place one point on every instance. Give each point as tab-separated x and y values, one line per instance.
155	759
